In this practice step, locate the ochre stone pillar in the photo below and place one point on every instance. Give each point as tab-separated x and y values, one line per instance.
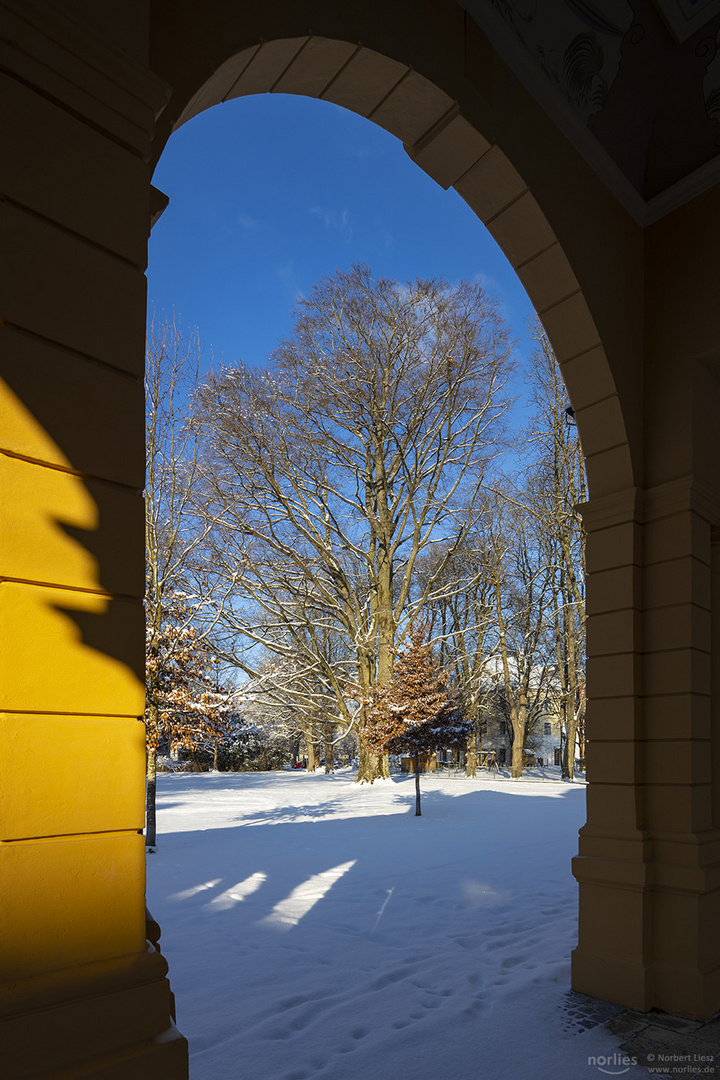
649	857
82	992
611	867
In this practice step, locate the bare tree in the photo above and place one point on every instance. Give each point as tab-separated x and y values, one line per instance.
522	591
173	533
557	483
303	703
363	444
462	622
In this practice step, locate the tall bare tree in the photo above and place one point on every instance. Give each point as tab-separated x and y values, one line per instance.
522	592
290	684
557	484
174	534
462	622
363	444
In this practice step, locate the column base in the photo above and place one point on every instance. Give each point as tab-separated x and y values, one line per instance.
647	933
610	979
106	1020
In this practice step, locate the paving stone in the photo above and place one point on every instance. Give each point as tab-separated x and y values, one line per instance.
583	1012
669	1046
708	1041
674	1023
652	1042
627	1023
709	1034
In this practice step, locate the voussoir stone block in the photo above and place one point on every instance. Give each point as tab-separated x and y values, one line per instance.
601	425
571	328
265	67
522	231
448	153
411	108
548	278
314	67
609	471
364	82
490	185
588	378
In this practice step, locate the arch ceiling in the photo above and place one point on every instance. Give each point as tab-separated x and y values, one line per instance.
635	85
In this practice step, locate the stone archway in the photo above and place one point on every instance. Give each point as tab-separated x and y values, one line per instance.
451	149
92	96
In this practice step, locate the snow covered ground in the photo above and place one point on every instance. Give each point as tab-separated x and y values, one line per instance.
318	929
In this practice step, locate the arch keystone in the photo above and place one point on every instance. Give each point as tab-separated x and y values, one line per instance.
314	67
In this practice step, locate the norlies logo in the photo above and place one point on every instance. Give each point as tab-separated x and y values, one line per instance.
613	1064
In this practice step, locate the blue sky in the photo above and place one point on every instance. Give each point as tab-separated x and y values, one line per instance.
270	193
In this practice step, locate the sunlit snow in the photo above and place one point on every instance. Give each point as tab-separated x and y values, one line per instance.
411	947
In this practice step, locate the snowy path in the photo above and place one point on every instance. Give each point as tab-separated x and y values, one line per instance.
315	929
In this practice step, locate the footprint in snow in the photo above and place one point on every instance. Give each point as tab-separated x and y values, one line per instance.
476	1006
390	977
465	942
512	961
493	946
493	931
300	1022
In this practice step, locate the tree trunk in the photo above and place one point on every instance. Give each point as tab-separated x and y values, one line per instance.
471	755
150	828
517	758
372	766
568	757
310	745
418	811
329	750
518	719
580	733
215	757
